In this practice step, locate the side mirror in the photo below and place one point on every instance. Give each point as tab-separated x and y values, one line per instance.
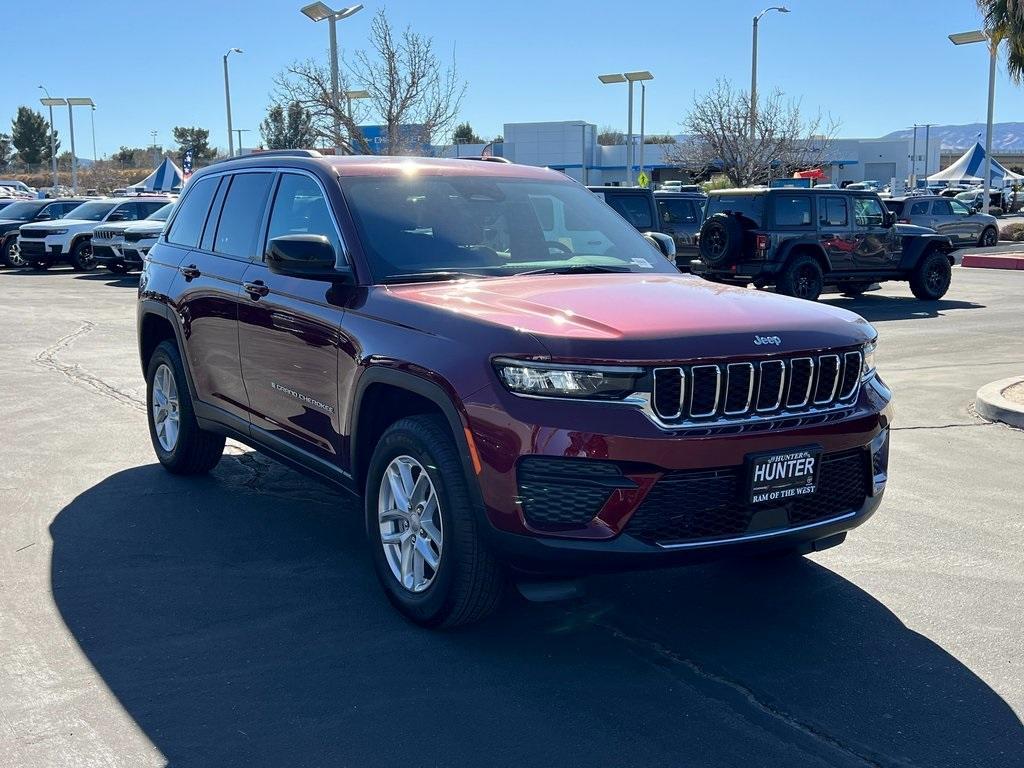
888	219
663	243
116	216
310	257
43	217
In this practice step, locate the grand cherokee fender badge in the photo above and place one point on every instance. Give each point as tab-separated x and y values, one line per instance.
762	340
301	397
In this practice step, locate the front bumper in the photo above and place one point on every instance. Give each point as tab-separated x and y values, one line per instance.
42	250
668	499
113	254
744	272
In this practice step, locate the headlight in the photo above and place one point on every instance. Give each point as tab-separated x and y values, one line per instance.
868	369
56	232
552	380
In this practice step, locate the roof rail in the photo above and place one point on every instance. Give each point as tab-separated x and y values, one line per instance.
486	159
275	153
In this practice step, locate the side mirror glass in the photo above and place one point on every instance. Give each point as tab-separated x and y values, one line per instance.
310	257
663	243
43	217
888	219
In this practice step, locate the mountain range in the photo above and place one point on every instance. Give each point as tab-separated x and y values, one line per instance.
1005	136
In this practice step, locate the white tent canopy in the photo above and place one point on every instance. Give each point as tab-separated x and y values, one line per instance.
970	168
166	178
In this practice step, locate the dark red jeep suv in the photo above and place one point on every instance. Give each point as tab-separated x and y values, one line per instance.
516	381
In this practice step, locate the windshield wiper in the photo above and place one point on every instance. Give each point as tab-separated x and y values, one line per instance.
423	277
574	269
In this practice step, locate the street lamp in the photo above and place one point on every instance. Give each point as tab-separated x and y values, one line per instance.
630	78
240	131
51	103
92	117
227	99
349	97
79	102
319	12
978	36
753	65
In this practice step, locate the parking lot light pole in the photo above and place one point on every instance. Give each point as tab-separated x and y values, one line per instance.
318	12
620	78
978	36
753	65
643	106
51	103
77	102
635	77
240	131
351	96
227	99
92	116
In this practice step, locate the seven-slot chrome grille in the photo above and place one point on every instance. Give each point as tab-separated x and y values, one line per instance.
725	392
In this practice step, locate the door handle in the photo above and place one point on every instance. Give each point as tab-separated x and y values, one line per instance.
190	272
256	289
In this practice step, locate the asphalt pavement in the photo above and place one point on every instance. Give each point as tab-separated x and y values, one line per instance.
150	620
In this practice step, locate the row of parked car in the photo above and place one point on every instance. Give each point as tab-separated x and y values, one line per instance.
112	232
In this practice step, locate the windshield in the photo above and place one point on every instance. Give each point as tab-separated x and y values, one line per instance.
418	226
93	211
20	211
966	197
161	214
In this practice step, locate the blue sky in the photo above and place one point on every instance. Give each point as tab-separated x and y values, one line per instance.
150	66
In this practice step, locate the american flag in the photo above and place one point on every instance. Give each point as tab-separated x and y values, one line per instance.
186	165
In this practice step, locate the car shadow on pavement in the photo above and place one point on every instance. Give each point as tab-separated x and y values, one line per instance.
245	627
111	278
882	308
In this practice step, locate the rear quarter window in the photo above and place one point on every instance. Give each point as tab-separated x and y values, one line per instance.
792	211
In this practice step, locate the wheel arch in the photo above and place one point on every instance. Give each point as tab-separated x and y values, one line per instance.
794	248
385	395
920	246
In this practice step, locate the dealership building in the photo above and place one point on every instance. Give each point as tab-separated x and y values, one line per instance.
571	147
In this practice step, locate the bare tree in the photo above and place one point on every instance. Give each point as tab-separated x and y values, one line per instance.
413	94
609	136
719	139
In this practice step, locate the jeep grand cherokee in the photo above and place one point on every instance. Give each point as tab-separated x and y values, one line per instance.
508	401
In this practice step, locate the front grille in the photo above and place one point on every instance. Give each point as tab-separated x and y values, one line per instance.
32	234
31	248
698	394
106	234
134	237
689	506
557	493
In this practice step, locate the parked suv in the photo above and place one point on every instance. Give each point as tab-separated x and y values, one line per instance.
23	211
70	239
507	405
637	206
962	225
117	246
804	241
681	214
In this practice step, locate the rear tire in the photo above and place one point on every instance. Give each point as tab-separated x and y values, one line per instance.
467	583
81	256
192	451
802	278
931	277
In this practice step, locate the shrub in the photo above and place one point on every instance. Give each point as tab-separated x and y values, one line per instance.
1014	231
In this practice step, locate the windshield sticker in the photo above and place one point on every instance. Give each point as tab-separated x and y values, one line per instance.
642	263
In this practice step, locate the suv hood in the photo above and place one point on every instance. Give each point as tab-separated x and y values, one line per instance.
61	224
638	317
146	227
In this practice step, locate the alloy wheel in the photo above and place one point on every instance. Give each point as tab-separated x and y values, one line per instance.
409	515
14	254
166	413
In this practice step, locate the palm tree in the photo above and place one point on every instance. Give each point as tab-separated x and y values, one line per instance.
1004	21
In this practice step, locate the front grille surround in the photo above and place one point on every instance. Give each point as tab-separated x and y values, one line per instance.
717	394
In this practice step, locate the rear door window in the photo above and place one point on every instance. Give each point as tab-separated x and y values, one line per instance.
793	211
833	212
919	208
242	214
187	227
635	209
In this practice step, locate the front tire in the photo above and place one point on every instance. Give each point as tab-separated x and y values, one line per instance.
931	277
10	256
802	278
181	446
988	238
427	548
82	259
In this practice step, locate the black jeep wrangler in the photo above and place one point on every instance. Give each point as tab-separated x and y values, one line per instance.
805	241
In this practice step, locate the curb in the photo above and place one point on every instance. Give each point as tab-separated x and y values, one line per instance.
990	403
993	261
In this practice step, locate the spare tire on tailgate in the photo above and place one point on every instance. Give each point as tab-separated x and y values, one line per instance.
721	240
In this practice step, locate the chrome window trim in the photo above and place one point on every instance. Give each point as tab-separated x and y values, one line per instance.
728	388
760	380
835	379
